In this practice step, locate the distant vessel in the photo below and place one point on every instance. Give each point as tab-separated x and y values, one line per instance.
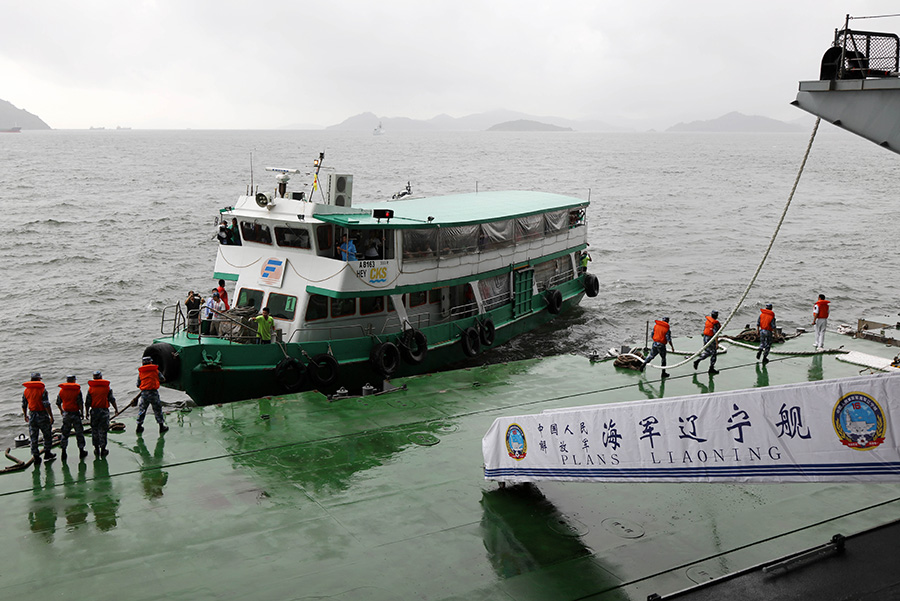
378	130
120	127
92	127
11	130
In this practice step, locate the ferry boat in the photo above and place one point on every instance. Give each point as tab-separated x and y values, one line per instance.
361	293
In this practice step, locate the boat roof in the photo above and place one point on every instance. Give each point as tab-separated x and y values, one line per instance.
383	497
454	210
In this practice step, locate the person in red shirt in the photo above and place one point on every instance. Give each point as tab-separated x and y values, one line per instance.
765	326
820	320
223	294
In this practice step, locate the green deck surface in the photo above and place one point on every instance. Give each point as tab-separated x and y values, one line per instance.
384	498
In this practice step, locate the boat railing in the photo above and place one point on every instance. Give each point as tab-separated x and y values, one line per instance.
492	302
466	310
175	320
860	54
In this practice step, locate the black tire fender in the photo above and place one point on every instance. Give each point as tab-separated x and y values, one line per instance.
414	346
488	332
290	374
385	357
324	369
166	358
554	301
471	341
591	285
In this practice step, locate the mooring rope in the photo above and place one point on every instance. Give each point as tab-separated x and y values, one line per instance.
764	257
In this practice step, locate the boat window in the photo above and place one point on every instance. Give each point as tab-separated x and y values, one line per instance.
255	232
459	240
369	305
555	221
434	295
417	299
497	234
317	307
375	244
248	297
342	307
419	244
292	236
529	227
325	240
282	306
494	291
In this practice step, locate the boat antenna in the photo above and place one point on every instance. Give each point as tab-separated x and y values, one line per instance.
318	165
251	171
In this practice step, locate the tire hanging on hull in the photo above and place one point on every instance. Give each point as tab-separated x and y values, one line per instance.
487	332
166	358
554	301
324	369
471	342
290	373
413	346
385	358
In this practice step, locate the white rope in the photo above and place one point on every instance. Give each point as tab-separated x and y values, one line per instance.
765	255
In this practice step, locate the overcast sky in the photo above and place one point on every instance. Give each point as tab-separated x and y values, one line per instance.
244	65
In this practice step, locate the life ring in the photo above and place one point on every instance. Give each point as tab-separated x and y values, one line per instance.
591	285
385	357
290	374
488	332
166	358
324	369
471	341
554	301
414	346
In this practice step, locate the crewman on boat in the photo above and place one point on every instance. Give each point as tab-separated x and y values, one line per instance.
820	320
661	335
765	326
148	381
223	294
38	415
710	329
264	326
347	249
97	401
71	407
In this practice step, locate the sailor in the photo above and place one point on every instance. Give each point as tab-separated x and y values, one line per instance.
710	329
36	402
223	294
820	319
347	249
765	325
148	381
264	326
661	335
71	407
99	398
585	259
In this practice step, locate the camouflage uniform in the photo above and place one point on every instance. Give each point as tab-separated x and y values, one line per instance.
99	427
765	335
99	415
72	420
40	421
712	350
150	397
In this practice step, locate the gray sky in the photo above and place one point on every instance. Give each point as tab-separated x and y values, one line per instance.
234	65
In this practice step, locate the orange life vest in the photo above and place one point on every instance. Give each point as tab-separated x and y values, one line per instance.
710	327
149	375
68	394
766	317
823	309
99	391
34	394
659	331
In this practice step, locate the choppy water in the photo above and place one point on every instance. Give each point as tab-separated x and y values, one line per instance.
102	229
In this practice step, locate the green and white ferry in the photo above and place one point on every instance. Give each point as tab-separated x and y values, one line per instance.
432	282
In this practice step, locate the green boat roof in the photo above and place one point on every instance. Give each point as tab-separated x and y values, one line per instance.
383	497
454	210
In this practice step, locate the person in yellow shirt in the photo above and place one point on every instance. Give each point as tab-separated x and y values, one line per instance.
264	327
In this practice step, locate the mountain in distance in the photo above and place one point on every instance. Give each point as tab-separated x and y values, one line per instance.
474	122
10	116
737	122
527	125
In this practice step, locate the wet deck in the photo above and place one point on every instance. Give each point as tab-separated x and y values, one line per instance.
384	498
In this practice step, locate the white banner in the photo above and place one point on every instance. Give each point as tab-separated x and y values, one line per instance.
833	431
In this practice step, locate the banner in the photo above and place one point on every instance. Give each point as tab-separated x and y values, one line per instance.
833	431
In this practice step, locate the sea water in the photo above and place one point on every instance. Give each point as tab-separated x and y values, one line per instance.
100	230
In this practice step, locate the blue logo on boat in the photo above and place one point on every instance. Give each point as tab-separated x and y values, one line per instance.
859	421
271	267
516	445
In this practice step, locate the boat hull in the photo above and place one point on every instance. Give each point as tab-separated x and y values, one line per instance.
212	370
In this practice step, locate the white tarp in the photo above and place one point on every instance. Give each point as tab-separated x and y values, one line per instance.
832	431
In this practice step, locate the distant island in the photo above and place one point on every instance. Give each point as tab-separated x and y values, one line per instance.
11	116
527	125
737	122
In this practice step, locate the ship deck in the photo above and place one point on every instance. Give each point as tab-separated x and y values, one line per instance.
383	497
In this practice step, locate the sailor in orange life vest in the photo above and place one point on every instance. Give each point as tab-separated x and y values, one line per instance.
99	398
820	319
661	336
71	406
148	381
765	325
36	402
710	329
